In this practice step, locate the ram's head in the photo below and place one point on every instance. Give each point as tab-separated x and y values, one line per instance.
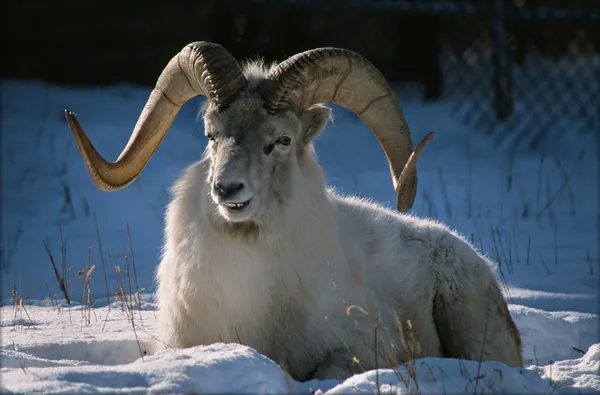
255	124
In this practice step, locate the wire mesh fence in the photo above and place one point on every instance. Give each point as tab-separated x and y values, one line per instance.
523	71
523	74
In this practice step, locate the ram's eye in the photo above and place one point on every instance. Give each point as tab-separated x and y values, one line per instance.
209	136
284	140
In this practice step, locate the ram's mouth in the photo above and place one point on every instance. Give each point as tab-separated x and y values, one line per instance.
234	206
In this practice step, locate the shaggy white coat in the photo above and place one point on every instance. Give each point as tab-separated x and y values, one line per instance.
308	288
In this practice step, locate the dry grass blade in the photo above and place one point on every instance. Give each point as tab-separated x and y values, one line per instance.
102	261
528	248
17	301
544	262
485	331
137	287
498	259
375	348
120	292
559	165
7	254
88	281
356	307
516	245
539	180
59	279
566	181
63	256
130	305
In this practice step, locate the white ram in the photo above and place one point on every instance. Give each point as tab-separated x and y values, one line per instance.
259	251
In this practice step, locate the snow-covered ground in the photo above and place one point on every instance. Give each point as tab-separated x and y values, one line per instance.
535	214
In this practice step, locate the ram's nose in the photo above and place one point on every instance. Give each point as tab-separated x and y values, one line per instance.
226	190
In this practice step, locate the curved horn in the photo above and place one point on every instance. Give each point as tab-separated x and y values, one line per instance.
201	68
343	77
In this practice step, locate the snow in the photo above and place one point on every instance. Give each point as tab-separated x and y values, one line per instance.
534	213
36	357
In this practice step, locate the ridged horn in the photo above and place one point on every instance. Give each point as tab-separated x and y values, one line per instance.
200	68
343	77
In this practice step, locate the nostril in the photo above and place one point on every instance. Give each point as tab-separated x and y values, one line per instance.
227	190
236	187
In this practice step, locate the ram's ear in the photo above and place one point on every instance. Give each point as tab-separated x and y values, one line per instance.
313	121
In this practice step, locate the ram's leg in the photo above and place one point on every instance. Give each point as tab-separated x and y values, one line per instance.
168	335
337	365
176	327
479	328
471	315
418	334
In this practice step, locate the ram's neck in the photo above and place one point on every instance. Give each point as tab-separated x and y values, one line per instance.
306	214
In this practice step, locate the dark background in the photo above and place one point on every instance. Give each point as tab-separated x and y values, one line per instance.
434	49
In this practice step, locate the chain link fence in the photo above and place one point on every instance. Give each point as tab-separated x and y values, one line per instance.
525	74
522	71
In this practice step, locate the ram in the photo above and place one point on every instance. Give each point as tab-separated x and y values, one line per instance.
259	251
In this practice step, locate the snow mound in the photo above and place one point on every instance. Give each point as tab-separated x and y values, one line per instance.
580	375
567	332
65	353
210	369
234	368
